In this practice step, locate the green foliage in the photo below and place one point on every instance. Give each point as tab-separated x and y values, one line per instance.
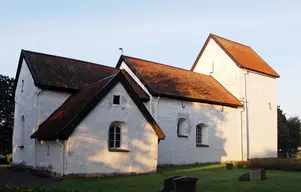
288	134
6	113
271	164
10	158
242	164
8	188
3	160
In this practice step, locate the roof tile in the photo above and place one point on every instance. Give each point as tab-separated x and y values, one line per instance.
245	56
179	83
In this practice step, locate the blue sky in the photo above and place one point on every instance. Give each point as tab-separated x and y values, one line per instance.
170	32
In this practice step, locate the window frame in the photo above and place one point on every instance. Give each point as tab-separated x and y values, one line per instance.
115	128
199	133
119	100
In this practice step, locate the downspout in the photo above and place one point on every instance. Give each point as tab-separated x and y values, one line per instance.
150	105
63	165
159	125
241	134
247	116
158	109
38	114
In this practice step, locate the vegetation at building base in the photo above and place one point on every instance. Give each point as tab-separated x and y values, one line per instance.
284	164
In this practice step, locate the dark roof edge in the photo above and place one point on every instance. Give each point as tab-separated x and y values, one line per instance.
135	71
201	101
106	89
58	109
31	69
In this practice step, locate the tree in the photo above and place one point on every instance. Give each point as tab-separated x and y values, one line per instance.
282	131
6	113
294	125
288	133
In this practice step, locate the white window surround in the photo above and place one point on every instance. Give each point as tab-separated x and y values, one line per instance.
118	137
182	127
114	137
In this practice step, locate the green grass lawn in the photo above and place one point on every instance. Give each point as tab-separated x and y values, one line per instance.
211	178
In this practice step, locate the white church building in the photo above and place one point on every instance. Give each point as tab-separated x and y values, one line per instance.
77	117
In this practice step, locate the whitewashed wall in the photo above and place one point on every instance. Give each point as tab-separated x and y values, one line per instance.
223	135
225	70
262	113
258	121
25	104
150	105
52	153
87	147
35	105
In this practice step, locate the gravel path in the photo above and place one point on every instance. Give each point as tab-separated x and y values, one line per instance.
21	178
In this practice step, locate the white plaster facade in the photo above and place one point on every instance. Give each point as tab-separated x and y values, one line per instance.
258	93
88	145
35	105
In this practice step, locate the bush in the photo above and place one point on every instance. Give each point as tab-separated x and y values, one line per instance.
10	158
3	159
242	164
271	164
8	188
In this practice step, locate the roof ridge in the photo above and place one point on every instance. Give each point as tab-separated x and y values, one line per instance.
229	40
109	77
61	57
165	65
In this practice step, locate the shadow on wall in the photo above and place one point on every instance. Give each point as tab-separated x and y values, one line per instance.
188	150
90	154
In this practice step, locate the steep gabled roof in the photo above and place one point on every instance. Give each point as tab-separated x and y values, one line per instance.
243	55
176	83
62	74
70	75
61	123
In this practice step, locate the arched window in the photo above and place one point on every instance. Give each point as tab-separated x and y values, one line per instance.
114	136
201	135
21	146
182	129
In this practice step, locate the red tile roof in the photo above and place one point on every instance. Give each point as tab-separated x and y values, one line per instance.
244	56
173	82
61	123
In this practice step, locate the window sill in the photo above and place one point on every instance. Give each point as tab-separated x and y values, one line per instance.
202	145
119	150
183	136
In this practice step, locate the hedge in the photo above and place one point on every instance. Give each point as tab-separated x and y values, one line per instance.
271	164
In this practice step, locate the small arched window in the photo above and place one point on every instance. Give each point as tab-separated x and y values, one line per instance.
114	136
182	129
201	135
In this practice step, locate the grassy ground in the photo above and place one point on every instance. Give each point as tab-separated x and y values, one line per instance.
211	178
